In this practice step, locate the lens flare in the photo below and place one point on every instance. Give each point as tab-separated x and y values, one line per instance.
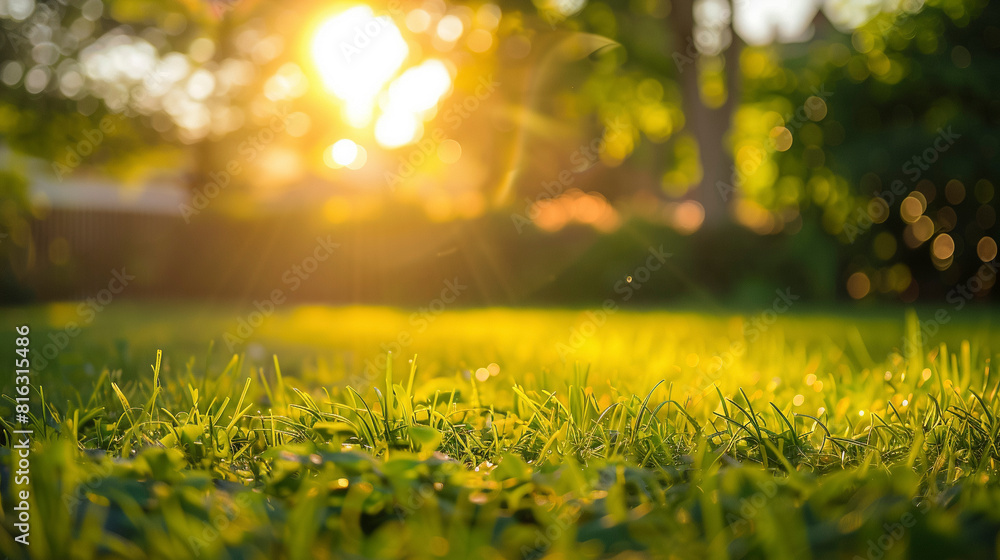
357	53
344	151
420	88
397	128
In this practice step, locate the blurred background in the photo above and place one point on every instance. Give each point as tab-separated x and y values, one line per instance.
535	152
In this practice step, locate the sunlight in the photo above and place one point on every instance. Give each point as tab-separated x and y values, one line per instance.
450	28
420	88
411	99
605	279
357	53
345	153
397	128
360	56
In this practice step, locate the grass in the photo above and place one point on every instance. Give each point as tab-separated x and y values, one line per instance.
599	436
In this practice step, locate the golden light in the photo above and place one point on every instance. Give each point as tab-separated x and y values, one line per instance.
345	153
781	137
360	159
858	285
575	205
288	82
480	41
397	128
361	60
419	88
986	249
923	228
357	53
278	166
688	217
359	113
298	124
328	158
565	8
450	28
201	84
488	16
418	20
815	108
449	151
911	208
943	247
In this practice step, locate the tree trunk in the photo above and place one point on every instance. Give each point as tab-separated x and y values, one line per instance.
709	126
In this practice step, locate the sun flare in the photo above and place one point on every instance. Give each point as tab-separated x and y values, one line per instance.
357	53
362	60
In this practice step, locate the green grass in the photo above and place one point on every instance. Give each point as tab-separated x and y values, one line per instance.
821	437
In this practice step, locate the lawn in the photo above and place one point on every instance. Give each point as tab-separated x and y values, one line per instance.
497	433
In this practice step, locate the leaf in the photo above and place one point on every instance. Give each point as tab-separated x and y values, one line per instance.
425	437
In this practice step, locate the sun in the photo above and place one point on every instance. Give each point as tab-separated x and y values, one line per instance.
364	61
357	53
